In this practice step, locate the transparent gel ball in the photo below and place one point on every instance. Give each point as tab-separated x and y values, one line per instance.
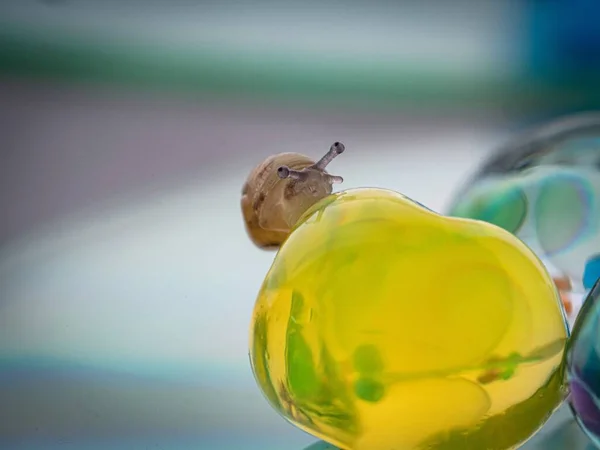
583	366
382	325
545	188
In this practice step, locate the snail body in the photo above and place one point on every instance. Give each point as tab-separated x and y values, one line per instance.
280	189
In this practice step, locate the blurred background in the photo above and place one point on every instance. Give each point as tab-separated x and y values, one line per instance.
127	129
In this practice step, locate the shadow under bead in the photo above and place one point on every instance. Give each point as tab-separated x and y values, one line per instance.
280	189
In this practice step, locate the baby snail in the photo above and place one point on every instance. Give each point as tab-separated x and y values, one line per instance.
280	189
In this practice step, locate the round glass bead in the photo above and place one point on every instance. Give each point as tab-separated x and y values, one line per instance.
383	325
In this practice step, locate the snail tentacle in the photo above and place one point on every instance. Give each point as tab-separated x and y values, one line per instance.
336	149
285	172
335	179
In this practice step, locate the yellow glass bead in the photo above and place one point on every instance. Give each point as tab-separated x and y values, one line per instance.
382	325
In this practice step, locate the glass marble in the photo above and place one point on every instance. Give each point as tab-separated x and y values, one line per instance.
383	325
545	188
583	366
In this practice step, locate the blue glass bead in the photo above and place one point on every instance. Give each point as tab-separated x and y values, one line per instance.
583	366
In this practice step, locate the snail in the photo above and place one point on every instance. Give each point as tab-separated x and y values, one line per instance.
280	189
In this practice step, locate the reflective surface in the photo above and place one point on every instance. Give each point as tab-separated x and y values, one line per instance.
583	363
383	325
545	188
560	433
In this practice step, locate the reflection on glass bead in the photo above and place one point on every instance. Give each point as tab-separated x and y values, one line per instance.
545	188
591	272
583	366
382	325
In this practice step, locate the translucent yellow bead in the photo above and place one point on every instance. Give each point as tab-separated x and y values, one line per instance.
382	325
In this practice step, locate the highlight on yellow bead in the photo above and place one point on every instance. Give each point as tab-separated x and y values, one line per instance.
382	325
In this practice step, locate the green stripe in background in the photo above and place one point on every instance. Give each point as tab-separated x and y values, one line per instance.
220	68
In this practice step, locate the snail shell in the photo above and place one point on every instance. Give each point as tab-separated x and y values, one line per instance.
279	190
